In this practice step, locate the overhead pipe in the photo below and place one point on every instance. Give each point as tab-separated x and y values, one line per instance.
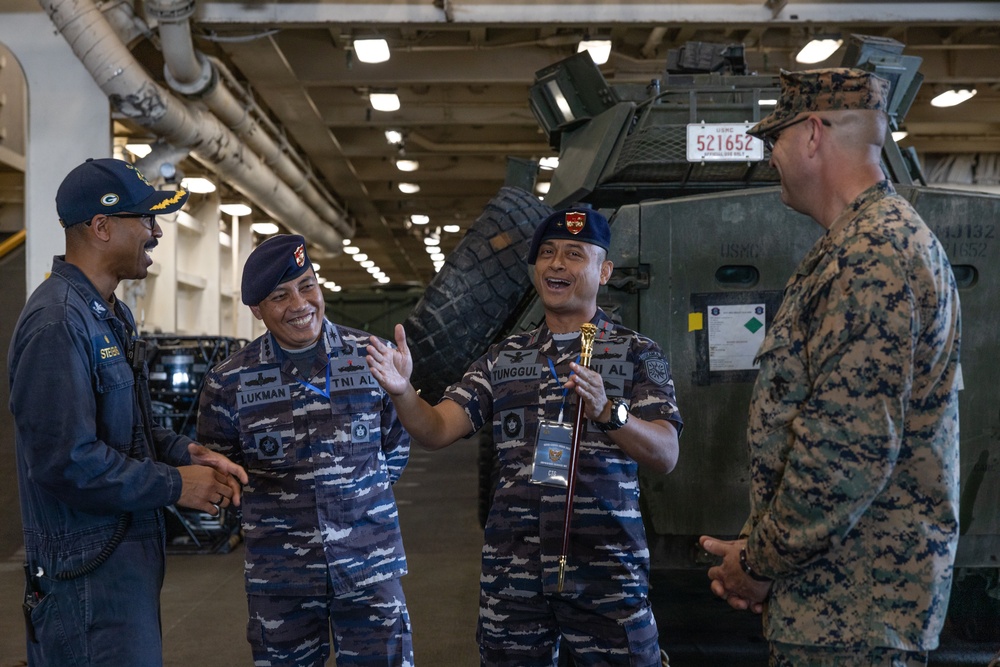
190	73
134	93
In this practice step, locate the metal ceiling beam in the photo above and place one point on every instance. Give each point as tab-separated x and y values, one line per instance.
731	13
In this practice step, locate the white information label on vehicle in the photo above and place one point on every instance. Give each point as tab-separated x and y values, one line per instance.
735	334
722	142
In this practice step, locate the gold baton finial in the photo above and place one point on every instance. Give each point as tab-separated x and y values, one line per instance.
587	334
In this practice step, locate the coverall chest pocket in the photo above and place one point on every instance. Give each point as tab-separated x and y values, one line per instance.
114	375
115	386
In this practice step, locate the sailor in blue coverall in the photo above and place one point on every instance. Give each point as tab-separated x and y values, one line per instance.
94	472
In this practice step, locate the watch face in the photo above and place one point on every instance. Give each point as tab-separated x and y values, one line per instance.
621	413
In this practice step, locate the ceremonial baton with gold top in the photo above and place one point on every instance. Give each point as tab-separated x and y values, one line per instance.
587	334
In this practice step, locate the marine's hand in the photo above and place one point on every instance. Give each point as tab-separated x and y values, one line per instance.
589	386
204	456
206	489
391	367
729	581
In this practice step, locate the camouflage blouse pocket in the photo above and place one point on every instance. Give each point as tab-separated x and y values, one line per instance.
268	434
365	434
776	342
779	389
269	448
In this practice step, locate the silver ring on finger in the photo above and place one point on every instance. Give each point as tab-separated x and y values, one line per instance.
218	509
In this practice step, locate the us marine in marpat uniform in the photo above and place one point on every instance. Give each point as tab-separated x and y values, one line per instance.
320	441
853	429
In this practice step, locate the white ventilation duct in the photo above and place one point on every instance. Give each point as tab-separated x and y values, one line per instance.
190	73
136	95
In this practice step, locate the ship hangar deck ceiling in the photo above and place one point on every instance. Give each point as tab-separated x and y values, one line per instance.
462	72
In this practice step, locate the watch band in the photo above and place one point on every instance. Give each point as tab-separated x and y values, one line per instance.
749	570
614	423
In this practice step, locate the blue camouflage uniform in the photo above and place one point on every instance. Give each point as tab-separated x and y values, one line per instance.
603	612
323	545
853	438
81	464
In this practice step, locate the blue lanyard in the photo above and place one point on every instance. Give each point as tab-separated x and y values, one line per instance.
562	404
312	387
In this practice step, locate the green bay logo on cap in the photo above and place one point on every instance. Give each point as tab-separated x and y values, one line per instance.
110	199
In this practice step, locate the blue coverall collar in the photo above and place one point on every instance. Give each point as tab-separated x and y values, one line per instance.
79	281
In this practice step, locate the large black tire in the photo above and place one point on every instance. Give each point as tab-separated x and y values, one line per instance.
475	296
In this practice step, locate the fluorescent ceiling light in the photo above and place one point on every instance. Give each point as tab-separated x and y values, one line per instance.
407	165
437	257
383	279
899	135
548	163
384	101
950	98
432	240
352	250
452	229
371	50
394	136
346	241
139	150
431	249
315	267
818	50
767	102
372	269
419	219
599	49
367	263
264	228
409	188
542	187
198	185
360	257
235	209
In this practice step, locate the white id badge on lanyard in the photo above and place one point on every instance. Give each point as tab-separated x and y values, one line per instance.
552	452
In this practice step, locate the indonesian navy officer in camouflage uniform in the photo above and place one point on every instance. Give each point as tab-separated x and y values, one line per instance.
528	387
853	429
299	409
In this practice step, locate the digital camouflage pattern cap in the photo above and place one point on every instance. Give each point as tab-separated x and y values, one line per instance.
277	260
580	224
834	89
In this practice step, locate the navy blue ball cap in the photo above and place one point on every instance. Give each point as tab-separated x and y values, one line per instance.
110	186
578	224
277	260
